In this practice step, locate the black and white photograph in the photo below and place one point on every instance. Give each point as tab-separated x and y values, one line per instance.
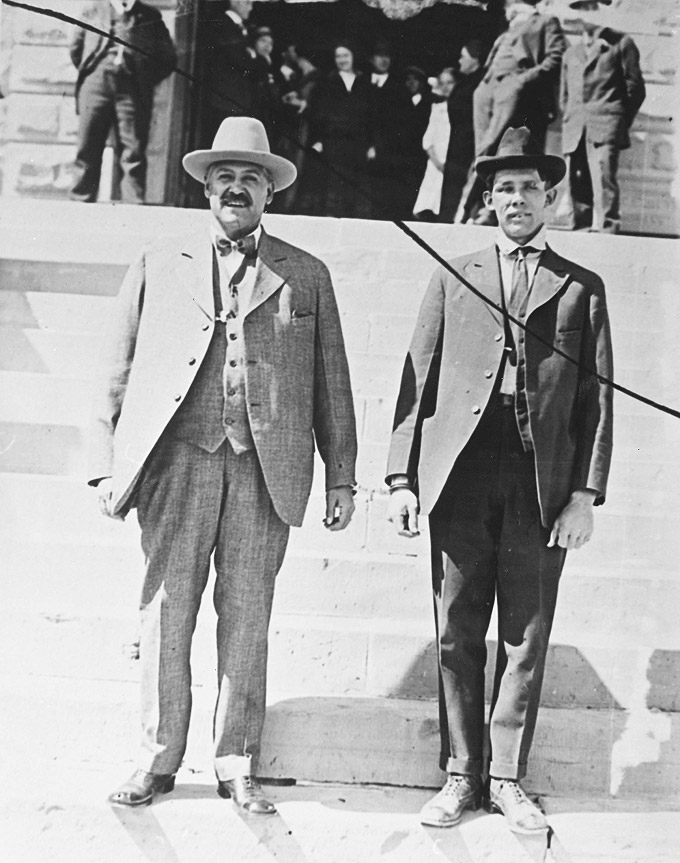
339	431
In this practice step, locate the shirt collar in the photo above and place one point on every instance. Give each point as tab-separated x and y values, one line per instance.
507	247
216	231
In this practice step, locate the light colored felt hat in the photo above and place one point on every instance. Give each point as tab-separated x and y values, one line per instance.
241	139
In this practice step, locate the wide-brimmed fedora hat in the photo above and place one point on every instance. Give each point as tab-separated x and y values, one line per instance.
241	139
519	149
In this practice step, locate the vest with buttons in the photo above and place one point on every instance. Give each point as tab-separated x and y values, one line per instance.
214	409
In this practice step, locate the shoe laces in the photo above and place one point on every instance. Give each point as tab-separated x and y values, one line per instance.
454	784
516	790
249	784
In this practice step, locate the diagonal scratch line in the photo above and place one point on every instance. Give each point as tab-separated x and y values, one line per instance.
361	190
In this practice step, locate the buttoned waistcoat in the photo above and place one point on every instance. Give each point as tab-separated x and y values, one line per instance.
296	375
454	359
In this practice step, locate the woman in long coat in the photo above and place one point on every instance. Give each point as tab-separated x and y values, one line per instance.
342	132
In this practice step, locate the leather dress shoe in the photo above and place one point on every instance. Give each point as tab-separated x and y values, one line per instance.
247	794
141	787
446	808
507	797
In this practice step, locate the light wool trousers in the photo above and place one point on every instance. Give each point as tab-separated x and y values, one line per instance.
193	506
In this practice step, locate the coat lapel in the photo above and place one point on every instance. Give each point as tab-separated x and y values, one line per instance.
195	271
550	277
267	279
483	273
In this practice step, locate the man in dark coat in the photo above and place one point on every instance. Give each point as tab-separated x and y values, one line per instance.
507	444
389	104
461	149
414	123
602	89
225	64
114	90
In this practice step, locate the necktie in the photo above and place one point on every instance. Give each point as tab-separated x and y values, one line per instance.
520	279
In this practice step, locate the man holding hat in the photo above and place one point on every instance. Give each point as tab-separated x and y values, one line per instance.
502	436
224	363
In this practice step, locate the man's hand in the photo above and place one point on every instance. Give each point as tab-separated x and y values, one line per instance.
339	507
574	525
104	490
403	512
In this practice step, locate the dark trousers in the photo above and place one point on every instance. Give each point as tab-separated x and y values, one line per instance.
110	99
488	544
593	186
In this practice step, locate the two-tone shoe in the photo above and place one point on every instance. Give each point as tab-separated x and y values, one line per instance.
446	808
247	794
508	797
140	788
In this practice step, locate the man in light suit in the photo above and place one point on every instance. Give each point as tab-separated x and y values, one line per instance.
519	87
502	436
601	91
114	90
224	363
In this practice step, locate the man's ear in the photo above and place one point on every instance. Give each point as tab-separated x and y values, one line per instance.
486	196
550	196
270	193
206	190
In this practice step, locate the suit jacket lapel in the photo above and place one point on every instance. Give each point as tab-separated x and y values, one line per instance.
550	277
195	271
267	279
483	273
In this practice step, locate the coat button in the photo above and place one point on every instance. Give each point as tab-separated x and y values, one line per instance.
231	391
233	363
233	336
476	409
178	397
205	327
488	373
228	421
192	361
498	337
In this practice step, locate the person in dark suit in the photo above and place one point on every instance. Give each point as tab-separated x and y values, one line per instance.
461	150
414	124
389	104
601	92
224	365
225	65
519	86
342	129
114	90
506	445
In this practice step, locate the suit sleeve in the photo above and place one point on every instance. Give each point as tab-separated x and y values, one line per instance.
114	369
635	84
153	38
417	392
76	47
334	422
595	400
554	46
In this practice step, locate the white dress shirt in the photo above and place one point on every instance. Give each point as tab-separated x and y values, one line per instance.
506	248
378	78
229	264
348	80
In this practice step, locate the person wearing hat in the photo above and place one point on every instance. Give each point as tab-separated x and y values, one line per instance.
224	364
502	437
601	92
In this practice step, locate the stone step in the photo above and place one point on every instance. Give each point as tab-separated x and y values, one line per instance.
333	739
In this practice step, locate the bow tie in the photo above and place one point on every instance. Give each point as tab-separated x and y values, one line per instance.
246	246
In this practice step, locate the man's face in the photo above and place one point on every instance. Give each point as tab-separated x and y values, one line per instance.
381	63
243	8
412	83
238	193
446	83
264	45
520	200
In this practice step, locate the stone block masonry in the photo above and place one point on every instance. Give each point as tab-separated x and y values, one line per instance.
353	674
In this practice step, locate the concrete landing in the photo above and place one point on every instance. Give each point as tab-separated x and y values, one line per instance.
60	816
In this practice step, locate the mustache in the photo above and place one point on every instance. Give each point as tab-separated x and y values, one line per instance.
236	198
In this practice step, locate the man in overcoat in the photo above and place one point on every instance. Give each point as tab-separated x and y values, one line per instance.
519	86
601	92
223	366
502	437
114	90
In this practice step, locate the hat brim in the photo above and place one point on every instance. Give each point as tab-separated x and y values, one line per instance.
283	172
553	167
